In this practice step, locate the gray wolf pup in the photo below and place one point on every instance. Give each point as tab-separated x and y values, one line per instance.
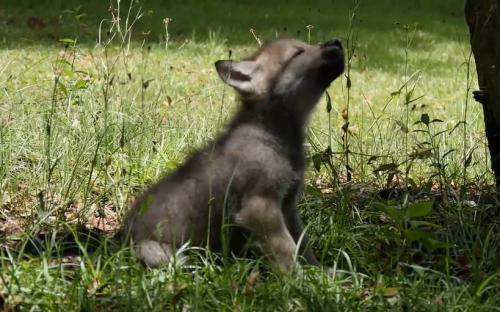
251	175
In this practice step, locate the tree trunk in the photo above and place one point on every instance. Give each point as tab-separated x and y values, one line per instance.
483	19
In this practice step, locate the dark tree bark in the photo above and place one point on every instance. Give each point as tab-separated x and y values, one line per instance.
483	19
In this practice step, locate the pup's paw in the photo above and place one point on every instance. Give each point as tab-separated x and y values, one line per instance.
153	253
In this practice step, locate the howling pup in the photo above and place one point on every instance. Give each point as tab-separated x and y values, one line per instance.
248	179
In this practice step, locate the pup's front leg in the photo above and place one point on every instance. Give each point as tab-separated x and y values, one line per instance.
295	227
263	216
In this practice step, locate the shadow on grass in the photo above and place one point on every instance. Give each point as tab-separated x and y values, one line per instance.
28	22
376	229
67	242
375	240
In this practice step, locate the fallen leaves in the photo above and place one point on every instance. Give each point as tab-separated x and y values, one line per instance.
10	227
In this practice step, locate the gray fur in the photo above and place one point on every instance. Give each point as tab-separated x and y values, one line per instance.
252	174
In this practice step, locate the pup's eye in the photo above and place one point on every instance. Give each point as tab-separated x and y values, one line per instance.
298	52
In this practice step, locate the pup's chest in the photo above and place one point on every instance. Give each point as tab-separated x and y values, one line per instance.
262	164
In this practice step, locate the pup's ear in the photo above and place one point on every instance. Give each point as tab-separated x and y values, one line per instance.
239	75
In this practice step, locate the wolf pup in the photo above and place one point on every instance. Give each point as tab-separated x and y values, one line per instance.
251	175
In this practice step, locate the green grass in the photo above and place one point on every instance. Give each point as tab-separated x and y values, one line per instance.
83	128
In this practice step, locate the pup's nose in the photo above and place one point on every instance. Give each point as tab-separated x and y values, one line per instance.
332	51
331	43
